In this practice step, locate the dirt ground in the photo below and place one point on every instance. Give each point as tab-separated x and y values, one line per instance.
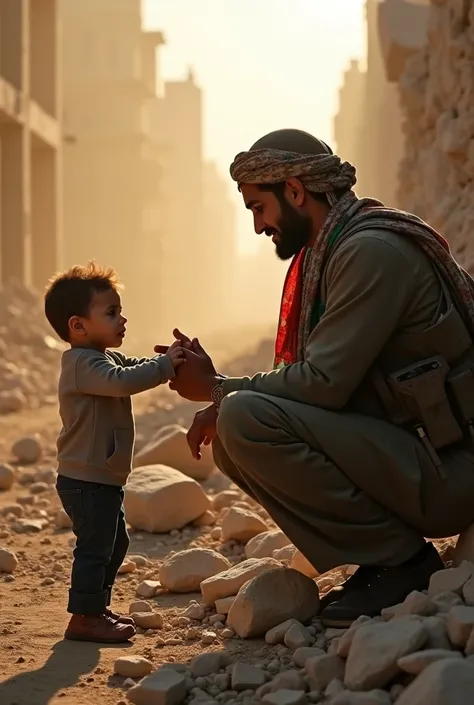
37	667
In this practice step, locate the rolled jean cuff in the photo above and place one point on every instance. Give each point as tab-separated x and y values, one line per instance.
90	603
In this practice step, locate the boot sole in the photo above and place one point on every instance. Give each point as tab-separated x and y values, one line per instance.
79	637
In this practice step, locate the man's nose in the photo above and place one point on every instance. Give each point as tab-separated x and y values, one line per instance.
123	319
259	225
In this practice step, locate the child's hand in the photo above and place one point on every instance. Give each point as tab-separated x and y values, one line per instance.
175	353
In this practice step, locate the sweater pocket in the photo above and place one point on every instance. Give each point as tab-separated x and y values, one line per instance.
121	458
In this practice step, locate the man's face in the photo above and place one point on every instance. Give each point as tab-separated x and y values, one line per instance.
289	227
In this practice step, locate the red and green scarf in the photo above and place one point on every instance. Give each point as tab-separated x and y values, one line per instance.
302	306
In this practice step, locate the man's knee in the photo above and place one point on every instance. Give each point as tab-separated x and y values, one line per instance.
236	411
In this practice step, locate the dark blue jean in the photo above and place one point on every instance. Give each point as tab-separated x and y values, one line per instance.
102	541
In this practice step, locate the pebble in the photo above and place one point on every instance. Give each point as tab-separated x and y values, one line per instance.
8	561
148	588
246	677
147	620
132	667
7	476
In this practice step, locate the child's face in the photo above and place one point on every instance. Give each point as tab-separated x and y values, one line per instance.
104	327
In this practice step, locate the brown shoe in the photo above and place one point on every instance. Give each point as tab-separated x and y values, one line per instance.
101	629
119	618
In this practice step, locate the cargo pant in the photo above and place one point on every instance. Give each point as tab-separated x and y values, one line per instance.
344	488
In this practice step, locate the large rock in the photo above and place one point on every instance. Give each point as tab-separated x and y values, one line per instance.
241	524
262	545
159	498
185	571
170	447
229	582
271	598
376	648
446	682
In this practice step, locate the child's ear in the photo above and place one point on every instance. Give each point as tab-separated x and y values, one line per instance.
76	325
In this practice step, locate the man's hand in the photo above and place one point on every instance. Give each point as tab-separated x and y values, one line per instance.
183	339
203	430
197	378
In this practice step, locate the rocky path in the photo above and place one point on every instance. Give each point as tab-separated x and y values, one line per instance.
227	609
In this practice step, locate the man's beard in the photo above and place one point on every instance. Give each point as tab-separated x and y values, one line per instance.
294	231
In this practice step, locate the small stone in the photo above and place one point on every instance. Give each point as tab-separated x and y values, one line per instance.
7	476
185	571
8	561
162	687
344	643
376	648
246	677
276	635
301	563
321	670
29	526
140	561
39	487
62	520
127	567
445	601
263	545
286	680
416	663
27	449
132	666
450	579
286	697
437	632
224	604
460	624
148	588
229	582
297	636
241	525
208	637
228	633
285	554
415	603
206	519
206	664
304	653
140	606
446	681
226	498
371	697
147	620
47	581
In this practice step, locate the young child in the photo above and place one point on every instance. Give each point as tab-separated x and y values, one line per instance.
95	446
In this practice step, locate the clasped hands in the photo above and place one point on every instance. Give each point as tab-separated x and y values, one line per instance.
195	380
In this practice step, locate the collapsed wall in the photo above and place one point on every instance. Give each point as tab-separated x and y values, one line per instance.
436	85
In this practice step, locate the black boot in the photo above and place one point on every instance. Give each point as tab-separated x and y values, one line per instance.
371	589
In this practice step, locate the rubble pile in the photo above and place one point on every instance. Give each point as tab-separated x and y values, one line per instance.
437	169
29	354
246	584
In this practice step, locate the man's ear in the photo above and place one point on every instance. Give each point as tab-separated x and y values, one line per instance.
76	325
295	192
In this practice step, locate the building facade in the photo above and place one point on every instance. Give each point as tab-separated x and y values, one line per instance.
30	141
111	163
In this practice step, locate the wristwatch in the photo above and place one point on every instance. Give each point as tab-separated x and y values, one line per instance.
217	394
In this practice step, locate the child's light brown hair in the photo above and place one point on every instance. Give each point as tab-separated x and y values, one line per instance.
70	293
